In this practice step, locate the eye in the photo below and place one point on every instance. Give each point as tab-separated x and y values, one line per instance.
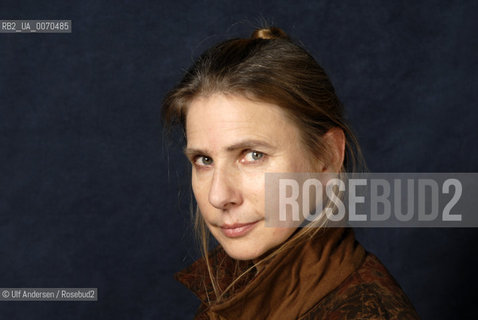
202	161
253	155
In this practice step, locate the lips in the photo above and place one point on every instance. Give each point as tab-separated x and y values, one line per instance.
238	229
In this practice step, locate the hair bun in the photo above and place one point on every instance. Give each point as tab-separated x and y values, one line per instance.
269	33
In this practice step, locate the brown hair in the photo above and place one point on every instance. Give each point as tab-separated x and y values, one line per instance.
266	67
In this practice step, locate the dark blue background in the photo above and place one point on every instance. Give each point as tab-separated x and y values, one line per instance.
90	194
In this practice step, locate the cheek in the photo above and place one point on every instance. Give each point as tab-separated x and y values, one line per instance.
253	191
254	184
200	191
282	234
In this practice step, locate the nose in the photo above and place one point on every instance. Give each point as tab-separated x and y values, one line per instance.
225	190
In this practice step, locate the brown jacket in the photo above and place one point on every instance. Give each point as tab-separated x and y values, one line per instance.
327	277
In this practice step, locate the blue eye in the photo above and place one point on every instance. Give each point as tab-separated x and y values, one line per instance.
203	161
253	156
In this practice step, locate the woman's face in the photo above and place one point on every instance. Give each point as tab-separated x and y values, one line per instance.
231	142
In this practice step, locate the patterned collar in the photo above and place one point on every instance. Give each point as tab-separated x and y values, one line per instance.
288	286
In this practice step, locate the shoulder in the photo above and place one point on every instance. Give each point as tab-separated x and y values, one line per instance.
368	293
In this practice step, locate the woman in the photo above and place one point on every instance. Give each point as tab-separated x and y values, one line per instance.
257	105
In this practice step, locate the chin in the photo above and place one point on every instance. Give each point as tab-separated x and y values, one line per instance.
242	254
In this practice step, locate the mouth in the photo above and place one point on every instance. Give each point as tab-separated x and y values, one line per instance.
238	229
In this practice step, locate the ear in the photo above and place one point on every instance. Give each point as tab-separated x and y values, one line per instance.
334	139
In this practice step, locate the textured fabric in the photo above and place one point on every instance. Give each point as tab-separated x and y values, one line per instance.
368	293
329	276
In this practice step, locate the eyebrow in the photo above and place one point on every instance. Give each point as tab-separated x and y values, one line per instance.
246	144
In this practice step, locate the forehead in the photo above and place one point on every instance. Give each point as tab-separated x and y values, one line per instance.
223	118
